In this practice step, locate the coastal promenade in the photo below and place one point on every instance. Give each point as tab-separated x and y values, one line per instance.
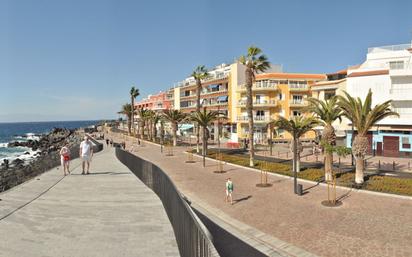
107	213
367	224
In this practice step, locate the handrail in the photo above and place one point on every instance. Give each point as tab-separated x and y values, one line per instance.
193	239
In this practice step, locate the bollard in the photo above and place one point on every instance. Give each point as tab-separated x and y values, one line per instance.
393	164
379	165
300	189
409	165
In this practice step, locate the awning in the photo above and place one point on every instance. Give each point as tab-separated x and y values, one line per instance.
185	126
222	98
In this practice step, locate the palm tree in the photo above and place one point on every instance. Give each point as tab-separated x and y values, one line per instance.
327	111
127	110
297	126
200	73
155	119
255	62
150	115
134	92
143	114
363	117
204	119
174	117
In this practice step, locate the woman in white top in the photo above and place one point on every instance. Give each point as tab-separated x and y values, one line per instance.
65	158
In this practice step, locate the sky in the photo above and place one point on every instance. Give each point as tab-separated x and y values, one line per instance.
77	59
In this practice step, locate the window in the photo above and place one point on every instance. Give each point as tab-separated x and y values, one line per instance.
296	113
396	65
329	94
297	99
280	96
260	113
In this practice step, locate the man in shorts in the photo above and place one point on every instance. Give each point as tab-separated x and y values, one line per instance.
86	153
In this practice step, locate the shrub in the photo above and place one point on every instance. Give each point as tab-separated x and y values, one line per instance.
312	174
389	185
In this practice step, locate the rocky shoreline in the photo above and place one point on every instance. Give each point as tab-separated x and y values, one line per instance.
46	156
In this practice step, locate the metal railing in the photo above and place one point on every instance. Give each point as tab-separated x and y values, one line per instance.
255	118
192	237
258	103
259	86
381	49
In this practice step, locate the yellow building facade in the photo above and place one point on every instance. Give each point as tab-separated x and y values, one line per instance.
274	94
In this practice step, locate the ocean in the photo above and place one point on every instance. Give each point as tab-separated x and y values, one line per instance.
23	131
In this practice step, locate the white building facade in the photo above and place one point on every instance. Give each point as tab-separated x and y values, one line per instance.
387	71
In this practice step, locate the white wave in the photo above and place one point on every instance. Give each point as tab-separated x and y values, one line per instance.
32	136
5	145
22	156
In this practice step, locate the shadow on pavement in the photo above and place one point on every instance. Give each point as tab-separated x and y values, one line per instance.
227	244
235	201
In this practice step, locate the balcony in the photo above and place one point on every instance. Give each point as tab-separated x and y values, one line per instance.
400	70
298	103
214	92
257	119
261	103
259	87
187	96
214	104
298	88
400	92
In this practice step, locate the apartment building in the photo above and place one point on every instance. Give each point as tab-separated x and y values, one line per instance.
274	94
157	102
387	71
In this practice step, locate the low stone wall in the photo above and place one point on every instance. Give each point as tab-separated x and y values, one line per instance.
18	174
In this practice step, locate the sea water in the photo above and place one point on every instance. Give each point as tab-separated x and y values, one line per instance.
23	131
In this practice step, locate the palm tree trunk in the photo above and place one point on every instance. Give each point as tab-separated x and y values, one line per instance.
162	133
359	150
249	108
154	132
204	146
129	125
199	88
174	128
132	118
359	170
328	166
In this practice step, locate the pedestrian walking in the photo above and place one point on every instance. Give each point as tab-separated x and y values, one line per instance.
65	159
111	142
107	142
229	190
86	154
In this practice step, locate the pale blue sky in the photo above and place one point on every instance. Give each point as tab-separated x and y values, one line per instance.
77	59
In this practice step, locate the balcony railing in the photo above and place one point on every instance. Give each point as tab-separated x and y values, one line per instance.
297	87
259	103
298	103
214	104
214	92
381	49
255	118
259	87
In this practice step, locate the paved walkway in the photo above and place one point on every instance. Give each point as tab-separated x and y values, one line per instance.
365	225
107	213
